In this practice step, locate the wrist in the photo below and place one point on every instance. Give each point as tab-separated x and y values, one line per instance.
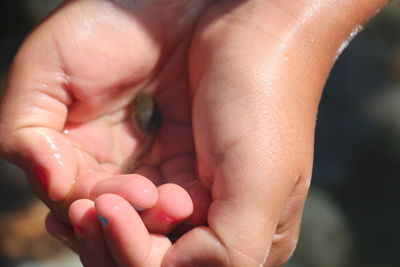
329	25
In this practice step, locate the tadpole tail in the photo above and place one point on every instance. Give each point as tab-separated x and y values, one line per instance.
132	163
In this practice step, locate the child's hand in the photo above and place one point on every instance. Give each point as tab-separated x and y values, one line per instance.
110	232
66	116
243	140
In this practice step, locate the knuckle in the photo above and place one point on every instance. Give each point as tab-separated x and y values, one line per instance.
283	247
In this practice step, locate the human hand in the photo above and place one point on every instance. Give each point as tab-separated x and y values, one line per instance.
246	59
66	114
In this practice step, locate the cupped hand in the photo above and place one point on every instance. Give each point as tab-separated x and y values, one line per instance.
239	84
66	116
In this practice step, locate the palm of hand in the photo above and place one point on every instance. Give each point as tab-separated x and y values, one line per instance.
106	53
109	59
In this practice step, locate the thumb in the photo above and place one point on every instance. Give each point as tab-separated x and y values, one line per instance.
256	88
33	111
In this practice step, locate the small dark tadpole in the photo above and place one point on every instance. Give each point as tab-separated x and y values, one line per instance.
147	115
148	119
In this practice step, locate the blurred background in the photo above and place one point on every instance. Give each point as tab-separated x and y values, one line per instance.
352	214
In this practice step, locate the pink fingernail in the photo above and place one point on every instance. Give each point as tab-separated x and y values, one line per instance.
41	176
79	230
165	218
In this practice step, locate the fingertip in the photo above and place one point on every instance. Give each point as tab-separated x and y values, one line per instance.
136	189
127	237
201	198
49	159
173	206
175	201
112	206
103	220
108	205
81	214
79	206
88	231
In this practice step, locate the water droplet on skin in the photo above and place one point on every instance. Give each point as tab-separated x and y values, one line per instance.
59	158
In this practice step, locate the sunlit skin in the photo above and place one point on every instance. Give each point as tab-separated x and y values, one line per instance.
238	83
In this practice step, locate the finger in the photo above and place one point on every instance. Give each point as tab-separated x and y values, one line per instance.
180	170
134	188
61	231
199	247
92	249
51	80
138	190
287	233
48	159
127	237
201	198
173	206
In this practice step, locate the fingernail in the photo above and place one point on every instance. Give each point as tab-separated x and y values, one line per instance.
103	220
41	176
138	208
79	230
63	239
165	218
